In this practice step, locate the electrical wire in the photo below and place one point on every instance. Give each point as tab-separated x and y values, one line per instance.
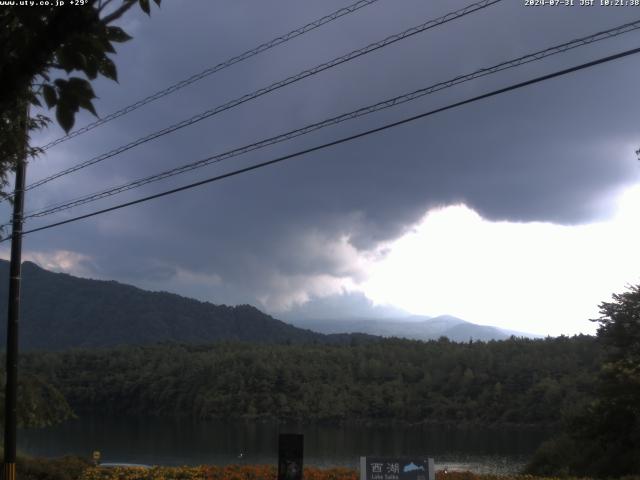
341	140
274	86
211	70
536	56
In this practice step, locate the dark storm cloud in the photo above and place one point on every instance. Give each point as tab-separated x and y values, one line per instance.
558	151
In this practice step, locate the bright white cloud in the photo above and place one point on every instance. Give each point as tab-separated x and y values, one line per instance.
349	266
57	261
287	291
533	277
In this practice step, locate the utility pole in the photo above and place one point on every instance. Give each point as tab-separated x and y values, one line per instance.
11	389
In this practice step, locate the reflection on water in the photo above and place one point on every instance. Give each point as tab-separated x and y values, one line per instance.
184	442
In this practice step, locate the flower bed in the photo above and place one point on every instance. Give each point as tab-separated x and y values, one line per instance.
262	472
206	472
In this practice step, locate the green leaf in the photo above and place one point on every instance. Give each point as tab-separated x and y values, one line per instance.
157	2
81	62
65	116
73	94
108	69
92	67
100	44
75	57
116	34
106	45
144	5
88	105
50	96
65	59
80	88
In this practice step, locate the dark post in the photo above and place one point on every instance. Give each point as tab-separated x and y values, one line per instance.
11	389
290	453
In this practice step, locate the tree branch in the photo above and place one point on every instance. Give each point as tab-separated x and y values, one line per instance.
102	6
119	11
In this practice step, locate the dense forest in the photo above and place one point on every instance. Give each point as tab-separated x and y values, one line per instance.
518	381
39	403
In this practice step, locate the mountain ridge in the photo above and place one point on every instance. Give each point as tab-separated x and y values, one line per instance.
455	329
354	312
61	311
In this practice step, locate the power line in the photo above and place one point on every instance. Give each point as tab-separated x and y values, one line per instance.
342	140
211	70
539	55
274	86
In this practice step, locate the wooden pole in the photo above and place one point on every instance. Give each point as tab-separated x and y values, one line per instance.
11	388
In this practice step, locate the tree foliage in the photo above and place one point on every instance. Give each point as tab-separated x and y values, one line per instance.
40	404
518	381
604	438
42	52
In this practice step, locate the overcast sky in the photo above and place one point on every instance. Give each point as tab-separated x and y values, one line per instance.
518	211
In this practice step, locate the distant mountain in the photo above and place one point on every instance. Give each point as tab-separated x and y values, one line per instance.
415	327
353	312
343	305
61	311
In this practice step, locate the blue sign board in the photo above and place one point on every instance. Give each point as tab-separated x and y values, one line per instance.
396	468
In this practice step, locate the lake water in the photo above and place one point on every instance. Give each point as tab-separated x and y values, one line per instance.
182	442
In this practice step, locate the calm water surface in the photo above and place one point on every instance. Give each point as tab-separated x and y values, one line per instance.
182	442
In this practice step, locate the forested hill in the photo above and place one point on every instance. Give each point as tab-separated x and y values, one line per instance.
60	311
516	381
